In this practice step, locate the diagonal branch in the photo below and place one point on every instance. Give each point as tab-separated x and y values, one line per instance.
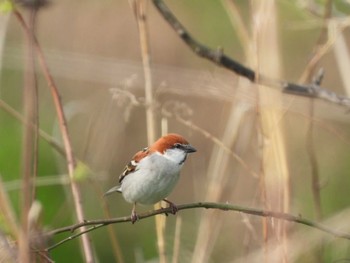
216	56
219	58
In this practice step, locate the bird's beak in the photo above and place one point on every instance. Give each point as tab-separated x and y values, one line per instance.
189	149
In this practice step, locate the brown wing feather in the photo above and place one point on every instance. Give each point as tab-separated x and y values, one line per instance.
132	165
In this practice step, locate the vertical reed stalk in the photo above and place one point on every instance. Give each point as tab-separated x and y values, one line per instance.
139	8
140	13
276	181
177	238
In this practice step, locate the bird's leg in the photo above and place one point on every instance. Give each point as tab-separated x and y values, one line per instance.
172	206
134	216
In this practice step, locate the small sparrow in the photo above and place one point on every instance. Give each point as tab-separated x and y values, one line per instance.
153	172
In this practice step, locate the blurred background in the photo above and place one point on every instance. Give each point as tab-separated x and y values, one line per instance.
256	146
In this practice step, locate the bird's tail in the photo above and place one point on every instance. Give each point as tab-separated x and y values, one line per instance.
112	190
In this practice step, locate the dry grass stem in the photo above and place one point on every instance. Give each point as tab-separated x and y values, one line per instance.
177	240
71	164
275	175
139	7
30	142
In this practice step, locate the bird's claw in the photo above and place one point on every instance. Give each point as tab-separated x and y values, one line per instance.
134	217
172	206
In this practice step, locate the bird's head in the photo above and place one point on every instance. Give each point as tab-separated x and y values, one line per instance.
174	147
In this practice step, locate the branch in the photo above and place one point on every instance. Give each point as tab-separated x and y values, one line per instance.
208	205
30	140
219	58
215	56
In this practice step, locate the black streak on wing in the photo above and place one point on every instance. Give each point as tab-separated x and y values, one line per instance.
132	165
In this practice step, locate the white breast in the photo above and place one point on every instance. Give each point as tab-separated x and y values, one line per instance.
154	178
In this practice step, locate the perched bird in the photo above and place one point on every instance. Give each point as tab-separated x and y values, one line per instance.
153	172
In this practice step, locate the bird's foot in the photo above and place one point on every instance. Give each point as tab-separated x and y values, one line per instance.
173	207
134	217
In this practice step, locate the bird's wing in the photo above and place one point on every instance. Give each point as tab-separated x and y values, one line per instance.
132	165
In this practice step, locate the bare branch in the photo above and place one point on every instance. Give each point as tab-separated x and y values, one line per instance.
208	205
219	58
216	56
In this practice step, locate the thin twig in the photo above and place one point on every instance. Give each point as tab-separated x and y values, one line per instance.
315	181
211	137
311	151
71	162
322	45
35	98
207	205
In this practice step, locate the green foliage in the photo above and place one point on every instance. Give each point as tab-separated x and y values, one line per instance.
6	6
82	172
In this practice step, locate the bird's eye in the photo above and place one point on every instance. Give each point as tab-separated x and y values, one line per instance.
177	145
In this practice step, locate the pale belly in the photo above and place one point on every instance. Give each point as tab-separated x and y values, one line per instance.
148	189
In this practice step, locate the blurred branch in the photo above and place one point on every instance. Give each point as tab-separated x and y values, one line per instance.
310	145
207	205
30	139
71	162
215	56
218	57
314	166
323	44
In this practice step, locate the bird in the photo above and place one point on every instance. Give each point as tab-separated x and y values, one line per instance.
153	172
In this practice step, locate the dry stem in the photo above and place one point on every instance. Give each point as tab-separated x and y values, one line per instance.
71	164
